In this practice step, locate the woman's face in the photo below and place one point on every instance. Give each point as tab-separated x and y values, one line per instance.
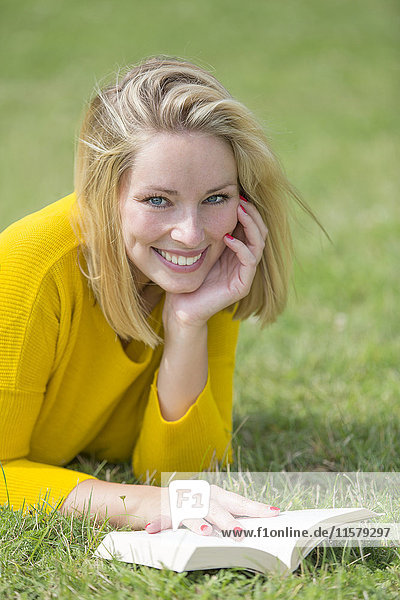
176	204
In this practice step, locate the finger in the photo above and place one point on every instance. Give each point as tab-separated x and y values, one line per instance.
241	506
223	520
251	209
244	254
247	268
158	524
255	237
199	526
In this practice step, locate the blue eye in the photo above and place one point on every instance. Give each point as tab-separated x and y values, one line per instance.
156	201
220	199
160	202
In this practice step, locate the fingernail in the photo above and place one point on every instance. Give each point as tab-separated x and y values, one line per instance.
204	527
245	211
237	529
243	198
275	508
229	236
147	524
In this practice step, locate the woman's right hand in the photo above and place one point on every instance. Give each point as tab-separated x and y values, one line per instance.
147	507
230	278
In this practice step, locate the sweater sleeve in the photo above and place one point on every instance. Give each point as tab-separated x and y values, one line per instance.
24	483
203	434
29	332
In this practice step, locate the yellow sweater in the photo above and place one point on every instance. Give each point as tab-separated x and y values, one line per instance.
68	386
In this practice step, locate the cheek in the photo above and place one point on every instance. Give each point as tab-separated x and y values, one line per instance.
138	227
223	222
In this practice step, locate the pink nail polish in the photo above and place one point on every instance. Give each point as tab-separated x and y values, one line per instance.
229	236
237	529
204	527
243	198
275	508
245	211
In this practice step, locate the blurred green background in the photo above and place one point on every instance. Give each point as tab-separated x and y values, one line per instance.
323	78
319	389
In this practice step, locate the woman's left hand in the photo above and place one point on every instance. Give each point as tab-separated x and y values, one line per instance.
230	279
224	510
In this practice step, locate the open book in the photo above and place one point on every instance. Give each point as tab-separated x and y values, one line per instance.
183	550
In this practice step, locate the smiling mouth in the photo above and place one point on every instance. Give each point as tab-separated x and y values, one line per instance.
179	260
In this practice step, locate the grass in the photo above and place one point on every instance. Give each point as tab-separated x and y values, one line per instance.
318	390
50	556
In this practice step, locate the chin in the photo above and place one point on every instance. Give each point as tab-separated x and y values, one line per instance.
184	288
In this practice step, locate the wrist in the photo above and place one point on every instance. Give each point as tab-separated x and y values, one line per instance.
184	328
176	317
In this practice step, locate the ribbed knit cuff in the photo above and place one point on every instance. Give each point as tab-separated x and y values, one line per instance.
187	444
30	483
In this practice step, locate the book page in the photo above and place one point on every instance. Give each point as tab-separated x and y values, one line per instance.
174	549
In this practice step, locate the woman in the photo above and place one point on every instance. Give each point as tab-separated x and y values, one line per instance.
120	304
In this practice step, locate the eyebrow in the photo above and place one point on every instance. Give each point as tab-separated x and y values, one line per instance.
175	193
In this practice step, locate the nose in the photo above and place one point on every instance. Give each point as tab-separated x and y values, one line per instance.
188	229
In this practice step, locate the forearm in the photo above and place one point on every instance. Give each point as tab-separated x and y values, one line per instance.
183	370
121	504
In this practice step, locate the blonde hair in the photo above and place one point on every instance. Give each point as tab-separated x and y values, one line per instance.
168	94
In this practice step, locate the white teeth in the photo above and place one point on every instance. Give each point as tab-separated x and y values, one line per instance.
179	260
